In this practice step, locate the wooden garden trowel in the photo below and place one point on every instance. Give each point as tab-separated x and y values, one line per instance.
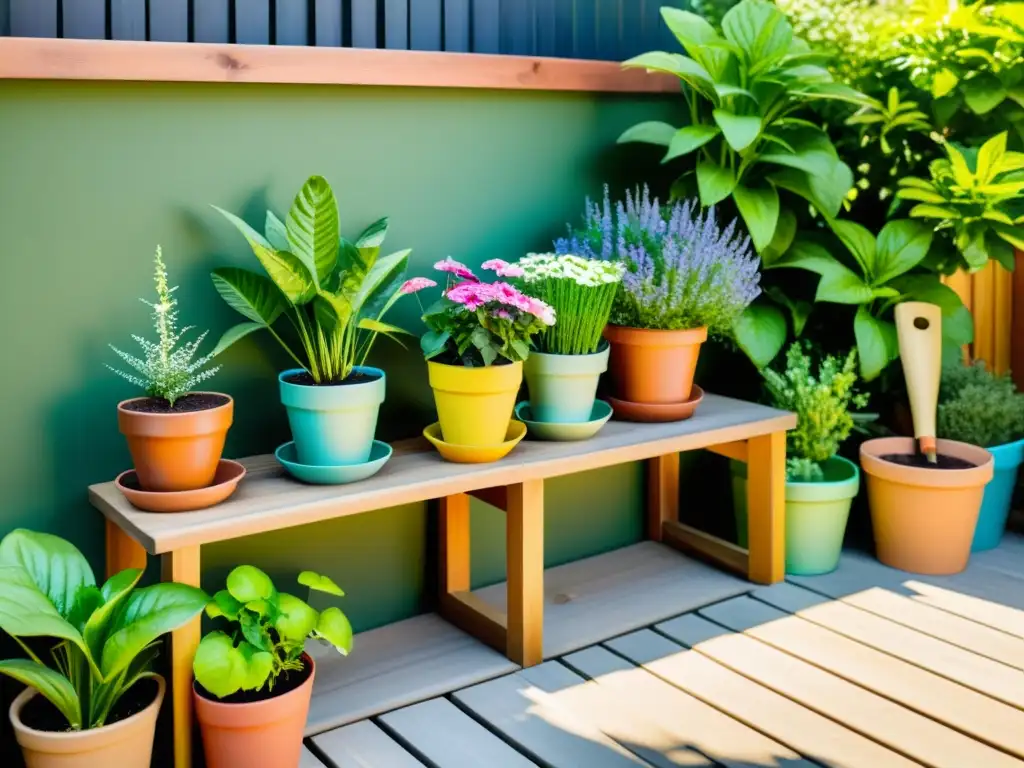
919	327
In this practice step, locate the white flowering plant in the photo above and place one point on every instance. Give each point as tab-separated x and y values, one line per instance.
167	370
581	291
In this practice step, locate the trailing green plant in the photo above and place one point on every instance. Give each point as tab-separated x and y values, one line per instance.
267	632
822	403
979	407
581	291
749	89
106	636
333	292
167	370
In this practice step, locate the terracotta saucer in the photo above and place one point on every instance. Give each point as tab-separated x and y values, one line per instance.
229	473
657	412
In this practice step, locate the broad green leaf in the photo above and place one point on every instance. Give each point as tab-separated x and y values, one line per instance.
944	82
236	333
1012	235
958	165
54	565
276	233
383	277
990	158
332	310
725	91
297	618
87	600
334	627
313	229
257	664
815	162
902	245
433	343
253	296
223	604
759	207
1000	250
739	130
320	583
247	583
253	629
877	344
838	284
114	592
692	31
825	194
686	69
26	612
759	29
52	686
785	231
371	240
927	211
376	326
218	666
984	93
920	196
957	323
714	181
859	242
689	138
651	132
832	92
760	332
799	310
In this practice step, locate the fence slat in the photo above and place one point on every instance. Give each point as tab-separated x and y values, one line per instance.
210	21
168	21
632	42
364	23
127	19
609	29
291	22
329	23
517	18
546	22
456	25
252	22
5	17
425	25
586	29
486	26
396	24
85	19
653	40
34	18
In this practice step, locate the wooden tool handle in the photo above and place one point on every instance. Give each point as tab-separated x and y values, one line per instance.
919	327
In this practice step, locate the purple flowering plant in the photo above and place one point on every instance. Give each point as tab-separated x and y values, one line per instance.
682	269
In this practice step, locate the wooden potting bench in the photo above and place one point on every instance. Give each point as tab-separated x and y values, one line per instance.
268	500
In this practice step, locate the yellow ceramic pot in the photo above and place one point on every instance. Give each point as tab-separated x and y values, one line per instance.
474	405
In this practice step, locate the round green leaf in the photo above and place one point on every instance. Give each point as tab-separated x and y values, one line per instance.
688	138
650	132
877	343
297	619
223	605
761	332
320	583
334	627
218	666
247	583
759	207
714	181
739	130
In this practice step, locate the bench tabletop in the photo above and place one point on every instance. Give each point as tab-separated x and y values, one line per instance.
268	499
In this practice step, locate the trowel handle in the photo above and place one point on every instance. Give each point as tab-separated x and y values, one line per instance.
919	327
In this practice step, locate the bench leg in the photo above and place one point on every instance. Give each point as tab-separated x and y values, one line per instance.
766	507
123	551
182	566
454	539
662	494
525	564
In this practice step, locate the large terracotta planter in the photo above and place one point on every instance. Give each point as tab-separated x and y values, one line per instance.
176	451
474	405
924	519
125	744
649	366
260	734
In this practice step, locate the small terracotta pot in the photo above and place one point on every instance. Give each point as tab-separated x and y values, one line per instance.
653	366
125	744
261	734
176	451
924	519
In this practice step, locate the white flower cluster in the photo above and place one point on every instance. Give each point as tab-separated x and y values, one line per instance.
589	273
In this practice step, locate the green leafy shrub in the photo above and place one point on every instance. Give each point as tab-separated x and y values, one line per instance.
107	636
978	407
268	630
822	404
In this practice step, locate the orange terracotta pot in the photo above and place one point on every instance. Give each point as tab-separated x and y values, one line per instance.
176	451
924	519
261	734
125	744
649	366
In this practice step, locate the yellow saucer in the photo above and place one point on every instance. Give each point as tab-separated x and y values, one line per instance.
475	454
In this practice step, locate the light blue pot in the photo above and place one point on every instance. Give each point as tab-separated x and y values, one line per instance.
333	425
995	505
563	387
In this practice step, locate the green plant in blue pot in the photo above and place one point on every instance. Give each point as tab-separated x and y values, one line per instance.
333	295
981	408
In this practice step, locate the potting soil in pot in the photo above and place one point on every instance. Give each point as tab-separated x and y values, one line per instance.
921	461
305	380
41	715
286	683
186	404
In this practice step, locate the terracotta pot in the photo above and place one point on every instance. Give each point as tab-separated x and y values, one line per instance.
653	366
125	744
176	451
924	519
261	734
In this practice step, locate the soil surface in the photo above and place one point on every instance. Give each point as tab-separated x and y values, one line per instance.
305	380
186	404
286	683
43	716
920	461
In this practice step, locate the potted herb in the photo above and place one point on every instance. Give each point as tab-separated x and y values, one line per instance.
569	357
685	278
334	295
478	335
253	682
175	436
978	407
98	704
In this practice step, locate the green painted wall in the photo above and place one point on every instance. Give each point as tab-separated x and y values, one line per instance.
94	176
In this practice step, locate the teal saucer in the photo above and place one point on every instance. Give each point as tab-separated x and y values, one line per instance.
340	475
549	430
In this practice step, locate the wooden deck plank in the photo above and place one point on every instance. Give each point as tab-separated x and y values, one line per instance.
589	600
525	710
363	745
761	708
268	500
973	713
976	672
874	716
447	737
660	722
396	665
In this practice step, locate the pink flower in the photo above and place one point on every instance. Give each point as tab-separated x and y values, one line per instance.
470	294
503	314
456	268
503	268
416	285
510	296
544	312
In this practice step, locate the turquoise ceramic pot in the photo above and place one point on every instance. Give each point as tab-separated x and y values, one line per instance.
563	387
995	506
333	425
